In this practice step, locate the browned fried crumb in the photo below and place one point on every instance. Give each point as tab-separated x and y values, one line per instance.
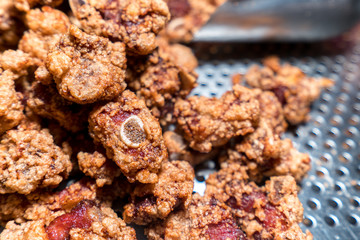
97	166
20	63
293	88
87	220
163	76
212	122
134	22
152	201
11	108
46	25
187	17
26	5
87	68
45	101
31	160
131	136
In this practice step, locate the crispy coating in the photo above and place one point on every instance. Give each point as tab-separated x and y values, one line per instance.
131	136
11	108
187	17
163	76
45	101
29	160
293	88
97	166
46	25
156	201
26	5
134	22
87	68
20	63
211	122
87	220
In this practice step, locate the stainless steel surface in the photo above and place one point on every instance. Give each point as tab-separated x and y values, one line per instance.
280	20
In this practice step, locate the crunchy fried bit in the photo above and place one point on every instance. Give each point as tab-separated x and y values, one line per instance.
87	220
45	29
293	88
11	109
131	136
29	160
11	27
26	5
134	22
87	68
97	166
187	17
269	212
20	63
172	191
211	122
163	76
45	101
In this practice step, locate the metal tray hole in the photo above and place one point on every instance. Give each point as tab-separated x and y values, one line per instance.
317	188
342	171
326	158
314	204
335	203
331	220
339	109
351	131
348	144
353	219
339	186
322	172
354	120
345	157
329	144
309	221
355	202
336	120
323	109
334	132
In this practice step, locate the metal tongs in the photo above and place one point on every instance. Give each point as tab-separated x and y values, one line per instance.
280	20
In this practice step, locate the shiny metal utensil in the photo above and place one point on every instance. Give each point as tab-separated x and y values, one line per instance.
280	20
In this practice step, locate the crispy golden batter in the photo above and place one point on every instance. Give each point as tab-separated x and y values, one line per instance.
211	122
11	108
131	136
152	201
134	22
187	17
87	68
163	76
20	63
26	5
29	159
45	29
45	101
293	88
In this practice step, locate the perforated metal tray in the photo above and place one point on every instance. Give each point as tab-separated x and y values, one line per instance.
331	192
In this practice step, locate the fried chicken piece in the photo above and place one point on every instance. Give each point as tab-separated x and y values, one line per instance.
87	68
97	166
293	88
29	159
134	22
187	17
212	122
11	26
156	201
163	76
45	29
26	5
87	220
11	108
18	62
45	101
131	136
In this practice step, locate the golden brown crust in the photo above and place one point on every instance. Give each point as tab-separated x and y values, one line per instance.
131	136
87	68
156	201
26	5
211	122
134	22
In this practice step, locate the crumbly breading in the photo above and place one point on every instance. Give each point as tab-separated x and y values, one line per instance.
87	68
156	201
212	122
20	63
97	166
187	17
131	136
87	220
134	22
46	25
11	108
45	101
29	159
26	5
163	76
293	88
